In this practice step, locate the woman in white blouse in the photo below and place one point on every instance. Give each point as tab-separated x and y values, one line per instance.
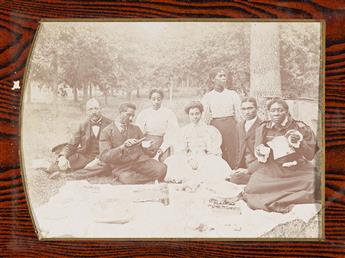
198	154
158	124
222	110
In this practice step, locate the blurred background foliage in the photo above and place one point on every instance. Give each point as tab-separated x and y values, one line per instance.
81	60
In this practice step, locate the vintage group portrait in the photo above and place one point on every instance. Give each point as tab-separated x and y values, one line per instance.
175	130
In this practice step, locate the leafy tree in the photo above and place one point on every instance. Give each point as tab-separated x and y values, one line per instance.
300	60
74	56
105	56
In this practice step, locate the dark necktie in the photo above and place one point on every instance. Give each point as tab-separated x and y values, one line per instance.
123	129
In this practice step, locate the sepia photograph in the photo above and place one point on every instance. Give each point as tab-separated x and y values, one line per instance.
175	130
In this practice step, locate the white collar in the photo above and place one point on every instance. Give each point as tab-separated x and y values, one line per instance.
251	121
119	125
219	92
156	110
199	124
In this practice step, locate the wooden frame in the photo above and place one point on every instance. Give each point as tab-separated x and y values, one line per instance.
20	20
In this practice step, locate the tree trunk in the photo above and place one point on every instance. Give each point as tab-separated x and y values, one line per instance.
106	98
55	78
55	81
138	92
265	78
85	93
171	88
90	90
129	94
75	94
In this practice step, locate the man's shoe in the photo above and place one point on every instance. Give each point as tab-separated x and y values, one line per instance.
55	175
54	167
60	175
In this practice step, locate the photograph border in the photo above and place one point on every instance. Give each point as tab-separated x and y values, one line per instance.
321	126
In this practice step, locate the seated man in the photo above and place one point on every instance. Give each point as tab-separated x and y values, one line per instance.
83	148
122	152
246	135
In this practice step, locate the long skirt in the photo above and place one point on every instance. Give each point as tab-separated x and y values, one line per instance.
274	188
228	129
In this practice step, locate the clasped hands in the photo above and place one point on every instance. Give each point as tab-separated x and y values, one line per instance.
63	163
294	138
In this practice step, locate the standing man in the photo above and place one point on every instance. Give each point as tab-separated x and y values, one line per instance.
221	110
123	148
246	139
83	148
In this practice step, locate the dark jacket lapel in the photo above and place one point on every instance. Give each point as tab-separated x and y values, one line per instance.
241	140
244	138
252	129
105	122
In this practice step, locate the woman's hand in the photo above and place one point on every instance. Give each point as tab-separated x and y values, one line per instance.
92	163
63	163
294	138
241	171
130	142
262	153
147	144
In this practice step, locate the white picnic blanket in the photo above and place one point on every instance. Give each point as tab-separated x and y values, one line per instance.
85	210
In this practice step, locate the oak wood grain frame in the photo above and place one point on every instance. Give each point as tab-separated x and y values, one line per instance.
18	23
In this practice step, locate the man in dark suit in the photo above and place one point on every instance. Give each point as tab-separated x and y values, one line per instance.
246	136
83	148
124	154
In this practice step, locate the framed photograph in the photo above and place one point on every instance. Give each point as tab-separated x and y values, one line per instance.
175	130
172	128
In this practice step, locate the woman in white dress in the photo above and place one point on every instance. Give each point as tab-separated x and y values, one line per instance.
159	124
198	153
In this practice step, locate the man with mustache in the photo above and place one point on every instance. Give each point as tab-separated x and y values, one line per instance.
123	153
83	148
246	137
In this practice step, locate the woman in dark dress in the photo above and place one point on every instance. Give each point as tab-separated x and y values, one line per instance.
285	175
